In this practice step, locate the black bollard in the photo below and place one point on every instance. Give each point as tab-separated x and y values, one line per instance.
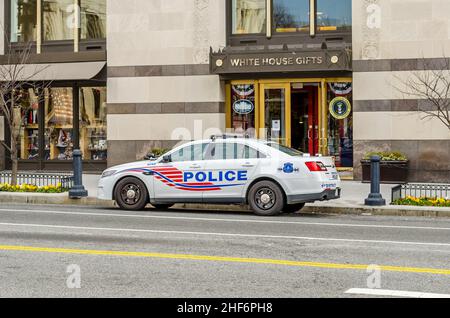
78	191
375	198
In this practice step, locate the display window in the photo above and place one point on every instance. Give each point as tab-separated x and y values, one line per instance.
58	124
57	132
93	141
312	115
29	133
340	123
243	108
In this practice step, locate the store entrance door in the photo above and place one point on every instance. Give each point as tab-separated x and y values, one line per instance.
305	117
276	112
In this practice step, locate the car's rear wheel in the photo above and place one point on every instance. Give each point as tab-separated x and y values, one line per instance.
293	208
131	194
266	198
162	206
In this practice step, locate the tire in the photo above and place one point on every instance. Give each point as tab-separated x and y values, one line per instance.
266	191
131	194
162	206
293	208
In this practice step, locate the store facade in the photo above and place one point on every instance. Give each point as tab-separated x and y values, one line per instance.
267	68
64	105
316	75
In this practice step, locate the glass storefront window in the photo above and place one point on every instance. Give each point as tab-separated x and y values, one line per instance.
334	15
248	16
93	19
58	124
291	15
58	133
23	20
93	141
58	20
340	131
243	109
29	134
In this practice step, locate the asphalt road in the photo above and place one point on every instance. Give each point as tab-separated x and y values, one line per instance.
218	254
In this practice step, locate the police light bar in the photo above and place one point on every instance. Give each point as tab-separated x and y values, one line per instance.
229	136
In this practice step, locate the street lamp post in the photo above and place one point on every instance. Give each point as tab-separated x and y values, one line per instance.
78	191
375	198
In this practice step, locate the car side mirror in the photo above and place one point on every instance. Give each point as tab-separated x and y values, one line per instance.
167	159
150	156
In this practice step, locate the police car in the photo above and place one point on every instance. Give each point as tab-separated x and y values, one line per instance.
270	178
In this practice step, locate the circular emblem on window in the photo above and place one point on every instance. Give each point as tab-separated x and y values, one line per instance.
341	88
243	90
243	107
340	108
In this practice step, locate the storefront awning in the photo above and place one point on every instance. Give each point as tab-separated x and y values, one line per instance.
52	72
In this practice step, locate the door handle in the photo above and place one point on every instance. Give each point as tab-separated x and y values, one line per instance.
195	167
248	165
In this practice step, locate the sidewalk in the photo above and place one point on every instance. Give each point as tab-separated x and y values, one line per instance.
352	201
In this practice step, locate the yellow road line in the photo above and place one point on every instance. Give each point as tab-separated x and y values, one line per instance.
223	259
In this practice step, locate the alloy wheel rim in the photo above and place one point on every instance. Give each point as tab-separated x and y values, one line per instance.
265	198
130	194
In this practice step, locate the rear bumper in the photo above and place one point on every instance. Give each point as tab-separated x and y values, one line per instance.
310	198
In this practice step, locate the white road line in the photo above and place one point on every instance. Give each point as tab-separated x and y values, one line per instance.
228	220
223	234
394	293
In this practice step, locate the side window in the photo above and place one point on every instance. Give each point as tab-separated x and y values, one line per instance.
189	153
227	151
224	151
251	153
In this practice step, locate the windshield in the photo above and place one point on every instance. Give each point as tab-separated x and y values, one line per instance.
289	151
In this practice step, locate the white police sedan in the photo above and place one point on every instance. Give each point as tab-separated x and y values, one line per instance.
224	170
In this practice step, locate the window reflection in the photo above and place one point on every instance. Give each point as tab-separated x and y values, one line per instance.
58	20
23	20
291	15
93	19
249	16
334	15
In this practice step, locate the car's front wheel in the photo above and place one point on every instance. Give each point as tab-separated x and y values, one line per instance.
266	198
131	194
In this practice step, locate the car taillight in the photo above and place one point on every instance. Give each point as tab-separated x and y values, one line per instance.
316	166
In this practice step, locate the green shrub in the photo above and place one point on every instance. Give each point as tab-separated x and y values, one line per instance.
387	156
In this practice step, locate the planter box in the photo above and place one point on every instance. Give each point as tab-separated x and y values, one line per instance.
395	172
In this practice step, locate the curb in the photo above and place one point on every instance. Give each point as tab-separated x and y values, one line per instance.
59	199
63	199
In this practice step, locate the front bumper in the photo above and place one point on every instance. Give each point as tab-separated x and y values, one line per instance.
104	190
310	198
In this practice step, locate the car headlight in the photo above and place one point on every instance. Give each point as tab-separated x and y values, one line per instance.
108	173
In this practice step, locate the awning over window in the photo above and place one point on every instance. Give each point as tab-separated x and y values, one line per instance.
52	72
